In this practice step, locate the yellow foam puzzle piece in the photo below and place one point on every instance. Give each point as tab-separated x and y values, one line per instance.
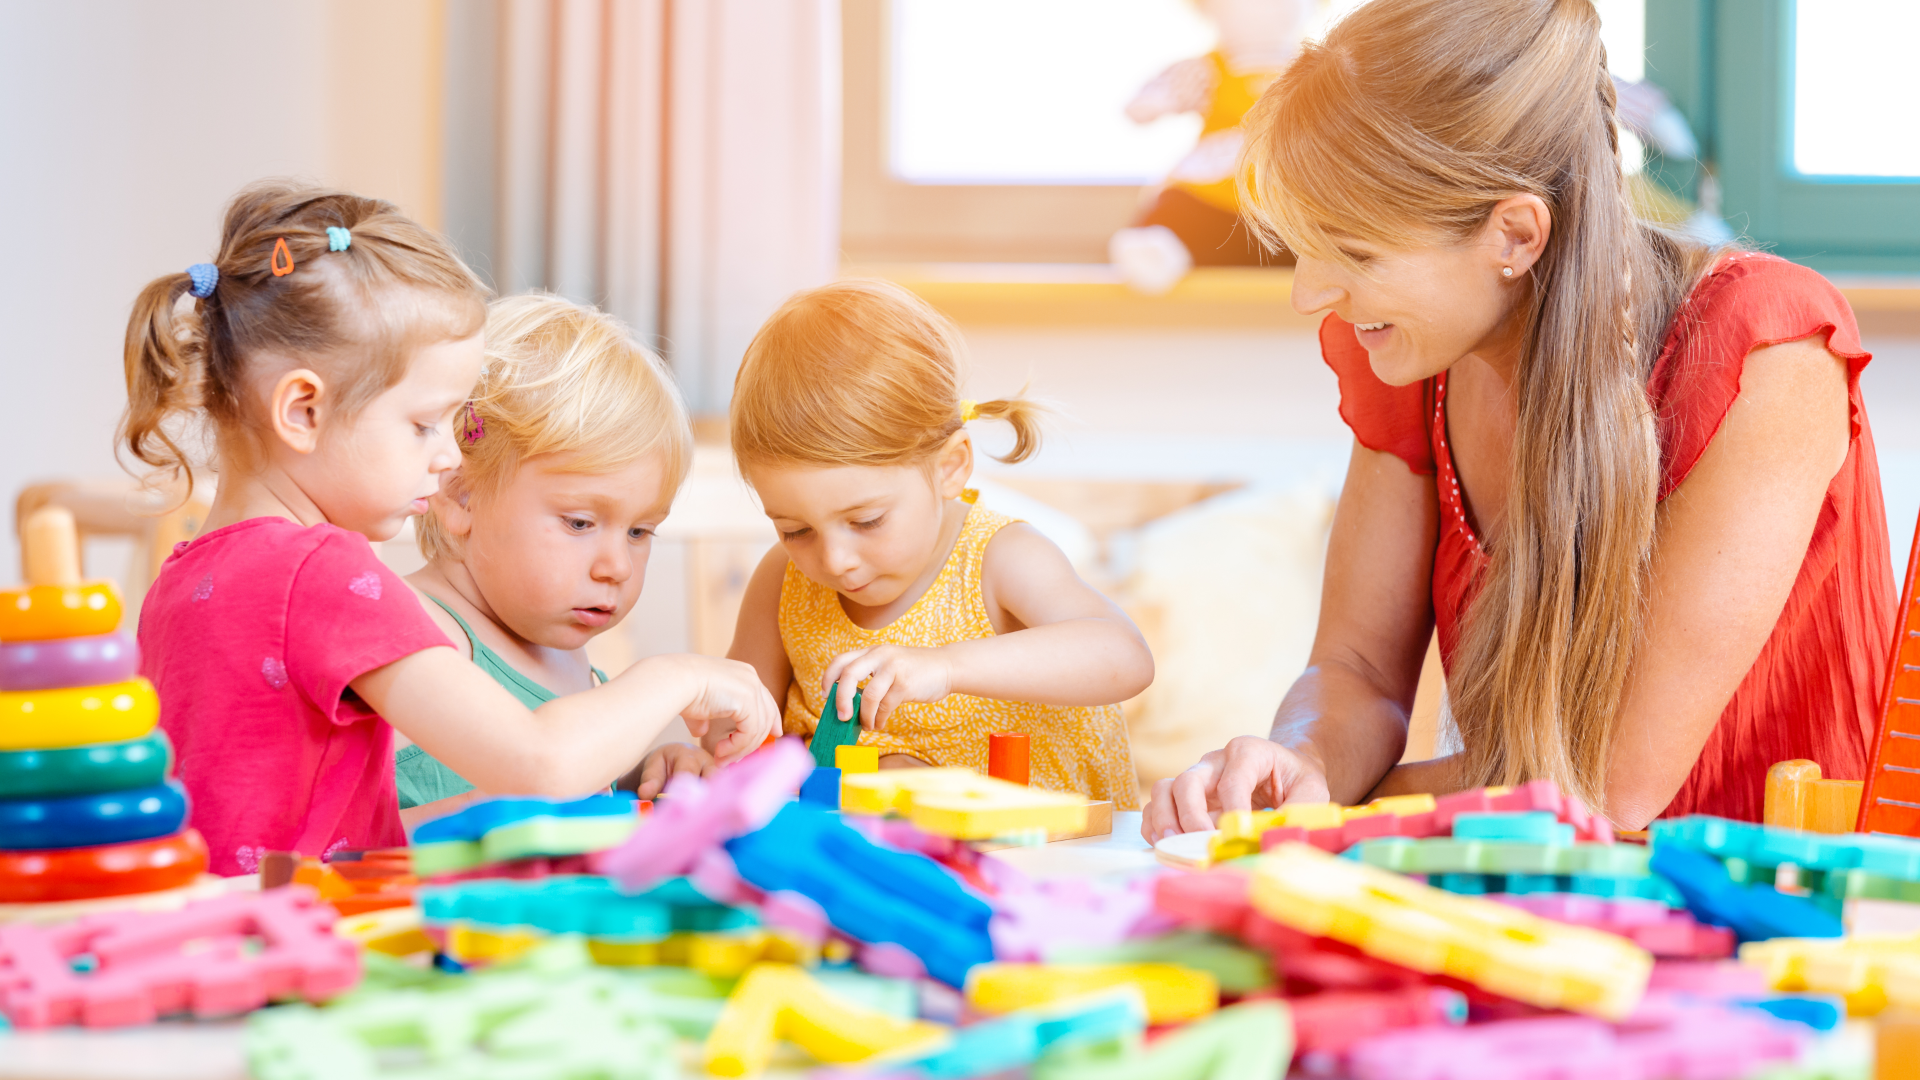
779	1001
470	943
1173	994
723	954
394	931
1240	830
1871	971
1502	949
961	803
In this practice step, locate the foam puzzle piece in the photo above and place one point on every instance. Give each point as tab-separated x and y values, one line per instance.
1174	994
1247	1040
74	661
698	814
1694	1044
1653	926
1753	912
593	906
1707	978
1603	886
822	787
1767	846
872	893
142	866
1532	827
201	960
775	1002
1501	949
77	716
388	931
1033	917
1017	1039
83	770
1871	972
1334	828
1846	885
1797	798
1330	1023
1533	796
830	732
1452	856
962	804
500	830
1238	970
44	612
726	954
856	759
1817	1011
112	817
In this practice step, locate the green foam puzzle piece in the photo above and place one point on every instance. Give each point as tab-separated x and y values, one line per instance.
556	836
831	732
1445	856
1254	1039
444	856
1238	969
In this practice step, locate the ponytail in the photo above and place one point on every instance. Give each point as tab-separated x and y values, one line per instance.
1021	414
164	367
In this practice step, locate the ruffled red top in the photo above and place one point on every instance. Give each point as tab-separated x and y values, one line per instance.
1814	690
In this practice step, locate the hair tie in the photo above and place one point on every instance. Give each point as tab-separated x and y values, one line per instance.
338	239
969	410
474	429
282	260
205	276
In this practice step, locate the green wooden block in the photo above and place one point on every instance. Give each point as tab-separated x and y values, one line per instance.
832	733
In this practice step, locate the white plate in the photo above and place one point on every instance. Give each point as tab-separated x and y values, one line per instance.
1187	851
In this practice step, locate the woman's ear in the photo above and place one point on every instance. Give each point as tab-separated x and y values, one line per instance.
298	408
953	466
1518	230
451	504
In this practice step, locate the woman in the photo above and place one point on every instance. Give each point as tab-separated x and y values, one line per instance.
1630	481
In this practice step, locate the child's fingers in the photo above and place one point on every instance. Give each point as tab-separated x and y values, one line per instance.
873	700
837	669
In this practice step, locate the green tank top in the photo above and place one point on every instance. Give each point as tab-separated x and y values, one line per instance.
418	775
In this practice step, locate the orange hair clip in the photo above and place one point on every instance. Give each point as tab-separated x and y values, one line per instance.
282	260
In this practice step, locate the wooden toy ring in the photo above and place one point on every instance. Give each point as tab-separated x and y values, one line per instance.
143	866
77	716
112	817
74	661
83	770
39	612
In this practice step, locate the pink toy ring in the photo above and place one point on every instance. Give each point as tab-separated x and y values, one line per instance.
75	661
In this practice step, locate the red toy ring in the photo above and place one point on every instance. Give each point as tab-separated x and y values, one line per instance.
84	873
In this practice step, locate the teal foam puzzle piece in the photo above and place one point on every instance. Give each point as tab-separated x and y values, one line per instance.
1767	846
1532	827
831	732
592	906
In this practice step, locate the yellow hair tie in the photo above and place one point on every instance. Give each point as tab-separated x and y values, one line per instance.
969	410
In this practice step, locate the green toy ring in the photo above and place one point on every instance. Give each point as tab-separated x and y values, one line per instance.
84	770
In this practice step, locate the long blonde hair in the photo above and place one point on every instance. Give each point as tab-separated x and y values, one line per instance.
1405	127
860	372
563	379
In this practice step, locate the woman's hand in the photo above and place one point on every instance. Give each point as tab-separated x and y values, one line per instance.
667	762
1250	773
887	677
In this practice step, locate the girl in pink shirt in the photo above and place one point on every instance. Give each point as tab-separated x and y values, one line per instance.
327	354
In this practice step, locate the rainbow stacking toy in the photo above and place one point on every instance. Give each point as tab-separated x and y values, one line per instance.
86	809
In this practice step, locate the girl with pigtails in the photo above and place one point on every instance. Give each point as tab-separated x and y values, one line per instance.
1628	480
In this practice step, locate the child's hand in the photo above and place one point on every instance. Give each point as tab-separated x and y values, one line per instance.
887	677
670	761
727	690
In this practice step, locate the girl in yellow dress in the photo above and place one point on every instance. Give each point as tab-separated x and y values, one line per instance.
958	622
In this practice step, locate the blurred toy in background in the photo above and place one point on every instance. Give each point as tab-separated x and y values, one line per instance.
1193	218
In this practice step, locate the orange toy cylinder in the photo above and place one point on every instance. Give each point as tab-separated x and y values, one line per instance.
1007	757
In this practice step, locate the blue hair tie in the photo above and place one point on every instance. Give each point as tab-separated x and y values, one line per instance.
338	239
205	276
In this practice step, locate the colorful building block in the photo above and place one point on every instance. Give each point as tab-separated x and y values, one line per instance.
830	732
112	817
1707	978
83	770
962	804
822	787
1871	972
1501	949
77	716
1238	970
389	931
1764	846
1008	757
1032	918
216	957
1455	856
1652	925
1753	912
1797	798
1173	994
140	866
1532	827
779	1002
1241	1041
499	830
592	906
1017	1039
1331	1023
856	759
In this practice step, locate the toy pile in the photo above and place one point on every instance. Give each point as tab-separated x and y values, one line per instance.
86	809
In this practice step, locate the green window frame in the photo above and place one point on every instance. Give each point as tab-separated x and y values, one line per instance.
1728	66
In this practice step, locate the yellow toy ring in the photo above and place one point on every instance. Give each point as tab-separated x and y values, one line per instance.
39	612
76	716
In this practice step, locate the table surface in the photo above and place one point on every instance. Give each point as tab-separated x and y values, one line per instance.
188	1050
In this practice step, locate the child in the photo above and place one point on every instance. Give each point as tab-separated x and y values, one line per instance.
957	621
327	354
572	448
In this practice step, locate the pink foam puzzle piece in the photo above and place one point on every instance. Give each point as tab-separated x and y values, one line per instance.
1649	924
216	957
1535	795
1030	916
698	814
1708	978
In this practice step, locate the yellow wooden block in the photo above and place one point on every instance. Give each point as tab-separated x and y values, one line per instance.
1173	994
1797	798
394	931
779	1001
1871	971
1500	948
960	803
856	759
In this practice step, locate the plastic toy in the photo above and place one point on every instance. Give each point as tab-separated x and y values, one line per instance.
1174	994
1896	1047
722	955
872	893
962	804
212	958
1009	757
1034	918
1647	923
698	814
54	912
1335	828
1496	947
1533	827
1237	969
1844	885
82	770
1753	912
1008	1042
113	817
76	716
1766	847
585	905
391	931
831	732
822	788
856	759
1707	978
42	612
1331	1023
775	1002
142	866
1442	856
74	661
1890	800
499	830
1797	798
1872	972
1599	886
1248	1040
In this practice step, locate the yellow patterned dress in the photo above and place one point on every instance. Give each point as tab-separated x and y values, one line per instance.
1082	749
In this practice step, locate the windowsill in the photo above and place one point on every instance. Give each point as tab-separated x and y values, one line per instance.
1224	298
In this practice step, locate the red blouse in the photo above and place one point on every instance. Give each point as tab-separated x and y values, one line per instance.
1814	690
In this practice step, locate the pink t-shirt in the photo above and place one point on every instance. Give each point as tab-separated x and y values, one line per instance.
251	634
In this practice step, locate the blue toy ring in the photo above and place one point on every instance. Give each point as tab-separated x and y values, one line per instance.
114	817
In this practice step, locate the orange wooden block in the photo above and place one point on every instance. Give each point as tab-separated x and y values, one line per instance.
1797	798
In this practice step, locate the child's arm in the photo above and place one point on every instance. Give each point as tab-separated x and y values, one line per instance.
1057	642
756	634
571	745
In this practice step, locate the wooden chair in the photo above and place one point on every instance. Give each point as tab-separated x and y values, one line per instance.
155	520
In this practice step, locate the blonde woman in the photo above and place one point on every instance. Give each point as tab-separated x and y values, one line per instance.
1630	481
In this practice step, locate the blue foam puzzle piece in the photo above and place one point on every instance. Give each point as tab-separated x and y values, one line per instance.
1532	827
869	892
110	817
1752	912
822	787
1817	1011
477	820
593	906
1019	1038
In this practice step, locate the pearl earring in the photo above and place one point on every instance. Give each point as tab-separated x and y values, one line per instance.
1506	271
